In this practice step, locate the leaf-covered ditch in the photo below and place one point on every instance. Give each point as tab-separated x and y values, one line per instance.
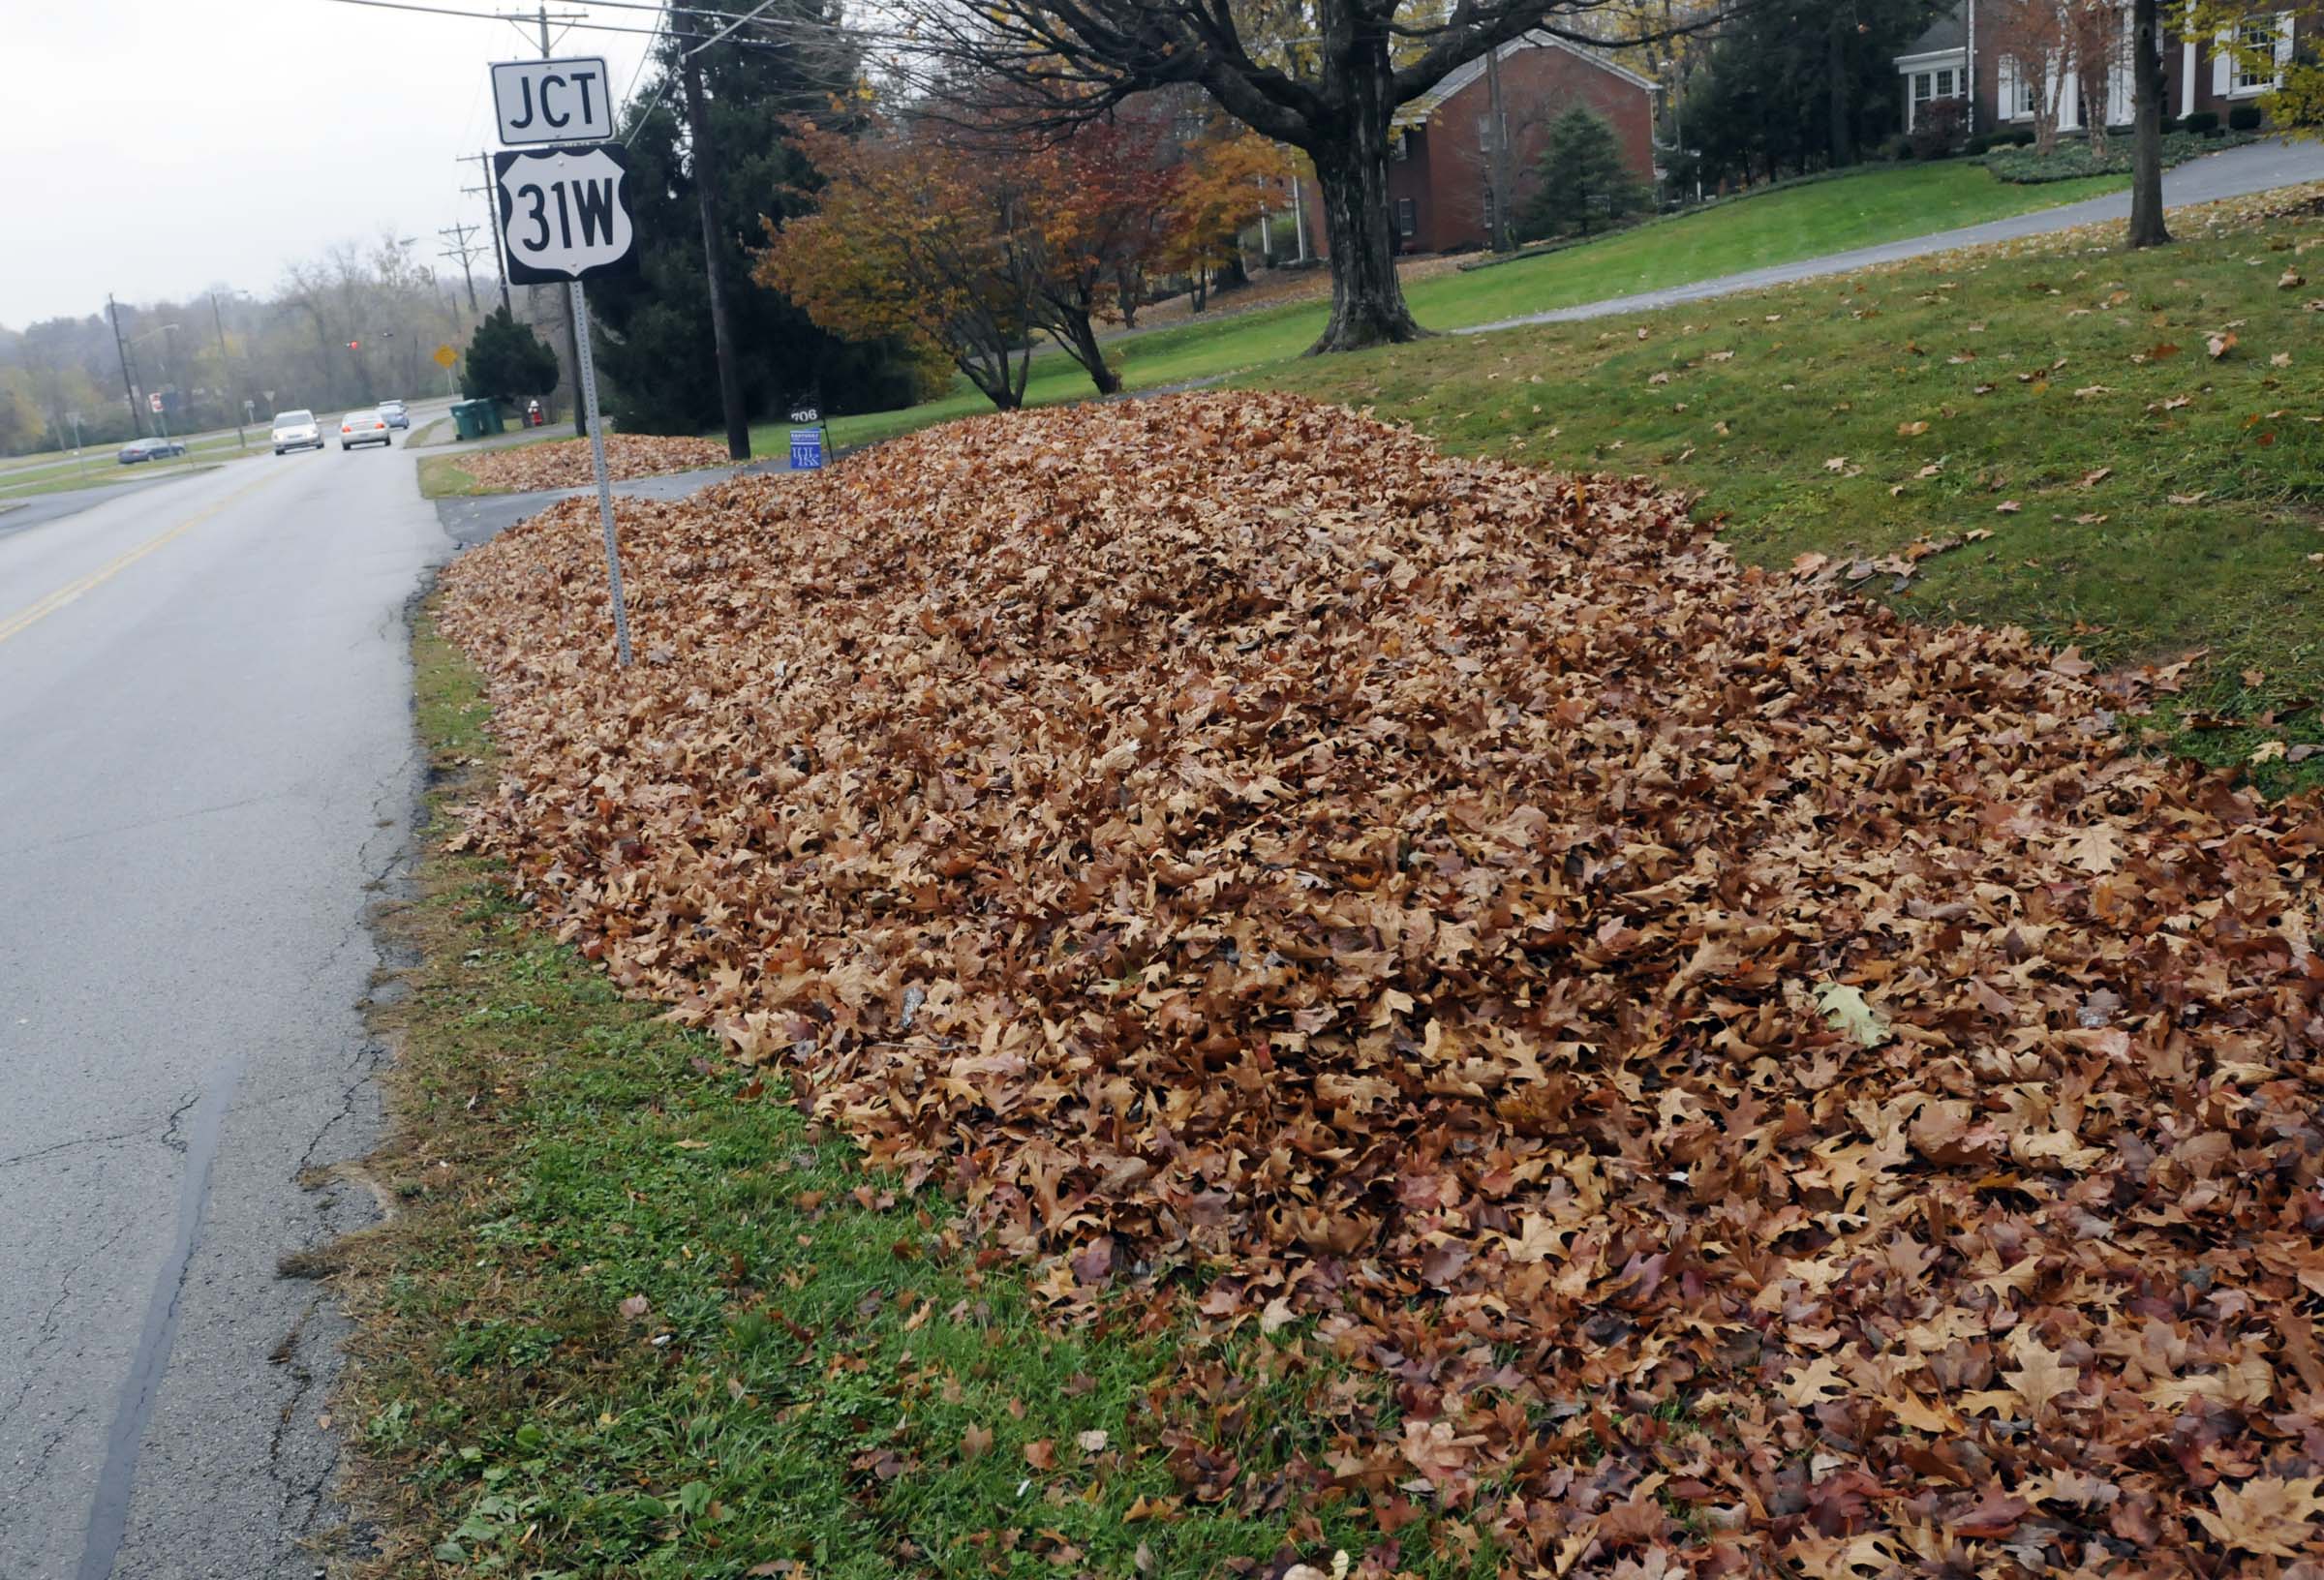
1768	1083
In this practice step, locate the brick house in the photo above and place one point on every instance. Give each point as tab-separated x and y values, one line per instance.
1958	58
1438	185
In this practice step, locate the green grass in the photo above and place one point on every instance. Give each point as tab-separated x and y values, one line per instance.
71	480
52	474
817	1360
18	468
443	476
2166	501
446	475
1881	204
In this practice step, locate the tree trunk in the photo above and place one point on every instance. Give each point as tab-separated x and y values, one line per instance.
1367	299
1837	79
1076	337
994	373
2146	229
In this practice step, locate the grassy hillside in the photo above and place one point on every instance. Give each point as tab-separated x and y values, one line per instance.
2044	437
1783	227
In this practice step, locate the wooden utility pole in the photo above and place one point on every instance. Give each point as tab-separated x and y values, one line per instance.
129	386
705	159
462	249
492	215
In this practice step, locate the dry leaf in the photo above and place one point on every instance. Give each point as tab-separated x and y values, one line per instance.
1228	826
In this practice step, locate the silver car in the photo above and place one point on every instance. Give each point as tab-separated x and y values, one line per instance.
364	428
297	431
396	413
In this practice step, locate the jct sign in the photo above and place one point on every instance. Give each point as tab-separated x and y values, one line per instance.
563	213
553	101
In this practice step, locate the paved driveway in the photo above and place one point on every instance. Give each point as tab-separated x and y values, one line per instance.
2235	172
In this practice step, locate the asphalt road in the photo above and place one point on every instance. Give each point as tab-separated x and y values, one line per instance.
208	772
2234	172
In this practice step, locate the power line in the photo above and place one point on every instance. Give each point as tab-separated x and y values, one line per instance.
755	12
464	250
578	23
661	16
432	11
492	210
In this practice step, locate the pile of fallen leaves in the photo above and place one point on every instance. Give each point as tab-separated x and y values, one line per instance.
565	463
1773	1087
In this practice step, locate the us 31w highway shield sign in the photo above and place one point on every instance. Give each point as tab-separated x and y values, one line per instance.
565	213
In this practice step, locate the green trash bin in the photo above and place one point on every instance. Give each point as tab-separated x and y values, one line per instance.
490	417
468	418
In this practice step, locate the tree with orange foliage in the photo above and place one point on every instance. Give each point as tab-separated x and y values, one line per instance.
1231	175
907	239
968	242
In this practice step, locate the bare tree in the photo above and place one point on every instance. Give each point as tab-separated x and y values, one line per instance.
2035	38
1325	77
2101	46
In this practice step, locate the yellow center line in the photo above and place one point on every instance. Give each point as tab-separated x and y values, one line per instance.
33	614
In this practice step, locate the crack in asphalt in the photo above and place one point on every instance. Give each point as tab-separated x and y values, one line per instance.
37	1462
170	1139
44	1332
140	825
54	1147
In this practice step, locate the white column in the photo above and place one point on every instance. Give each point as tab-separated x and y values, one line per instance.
2187	64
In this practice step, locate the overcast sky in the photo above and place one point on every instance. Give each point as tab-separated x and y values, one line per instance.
154	148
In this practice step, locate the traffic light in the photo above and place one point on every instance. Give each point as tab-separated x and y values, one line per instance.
354	345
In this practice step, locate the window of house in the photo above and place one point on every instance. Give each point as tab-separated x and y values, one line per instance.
1945	83
2255	63
1408	217
1922	87
1488	209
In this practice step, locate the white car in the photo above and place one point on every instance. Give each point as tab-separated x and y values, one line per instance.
297	431
364	428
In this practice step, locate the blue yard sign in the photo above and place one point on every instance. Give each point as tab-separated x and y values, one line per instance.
807	449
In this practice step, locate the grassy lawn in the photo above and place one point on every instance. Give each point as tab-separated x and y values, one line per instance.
637	1315
70	480
1883	205
2127	491
442	476
99	467
48	463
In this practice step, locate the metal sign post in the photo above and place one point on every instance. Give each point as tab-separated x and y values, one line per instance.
565	216
597	456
